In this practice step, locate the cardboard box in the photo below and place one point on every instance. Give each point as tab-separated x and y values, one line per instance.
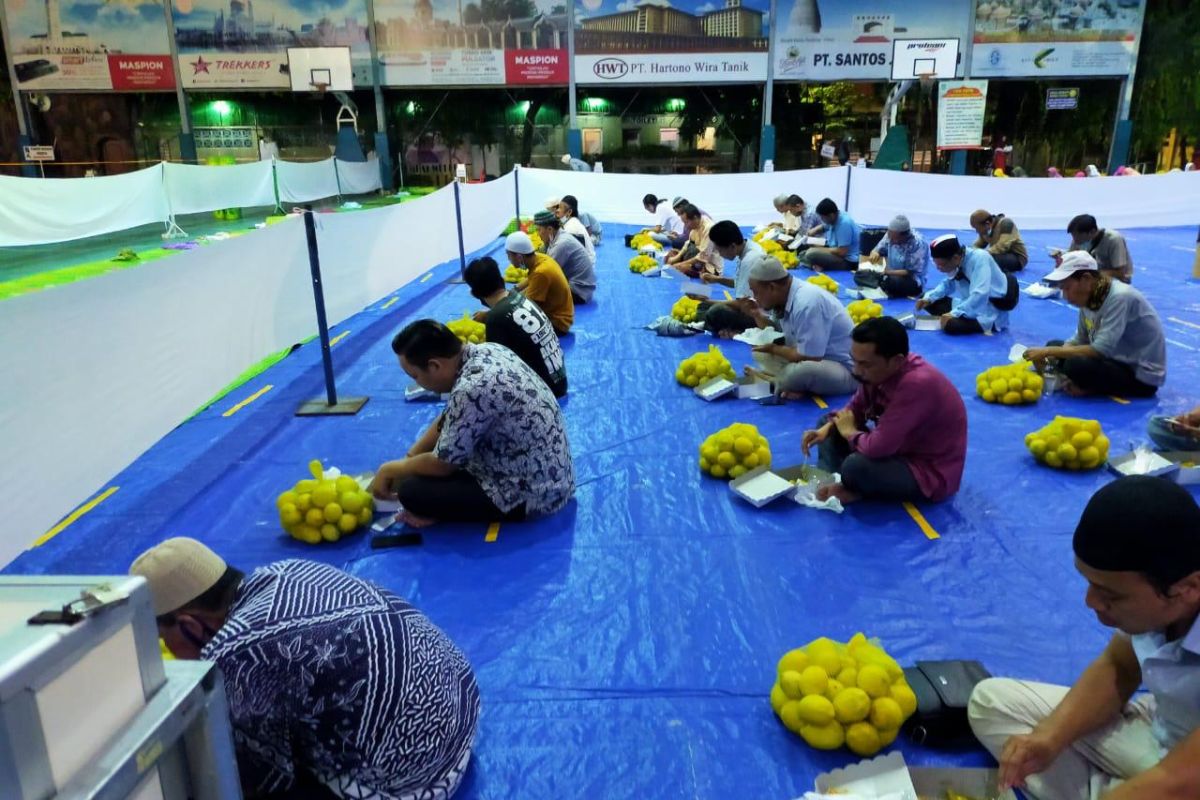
714	388
1189	466
889	776
1143	462
760	486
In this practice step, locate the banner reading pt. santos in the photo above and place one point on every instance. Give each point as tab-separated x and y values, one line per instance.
660	41
828	40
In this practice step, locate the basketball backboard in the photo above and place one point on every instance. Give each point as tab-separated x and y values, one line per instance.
316	68
917	58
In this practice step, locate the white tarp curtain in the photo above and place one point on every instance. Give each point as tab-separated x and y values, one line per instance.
40	211
192	188
744	197
300	182
358	177
486	209
945	201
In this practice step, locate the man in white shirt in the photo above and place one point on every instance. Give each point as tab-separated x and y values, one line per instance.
1138	547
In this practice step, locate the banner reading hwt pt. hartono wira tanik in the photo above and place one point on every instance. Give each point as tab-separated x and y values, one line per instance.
89	45
852	39
1018	38
448	42
671	41
242	44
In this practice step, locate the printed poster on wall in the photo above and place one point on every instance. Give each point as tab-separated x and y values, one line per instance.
671	41
826	40
89	45
1053	39
242	44
451	43
961	107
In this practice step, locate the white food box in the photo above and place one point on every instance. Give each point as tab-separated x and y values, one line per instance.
752	389
697	288
760	486
1143	462
889	776
714	388
1189	466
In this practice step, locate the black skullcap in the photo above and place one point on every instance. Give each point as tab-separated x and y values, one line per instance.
1141	524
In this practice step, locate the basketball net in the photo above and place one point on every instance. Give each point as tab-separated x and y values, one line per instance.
319	87
927	81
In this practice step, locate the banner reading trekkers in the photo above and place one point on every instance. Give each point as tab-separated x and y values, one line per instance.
480	42
242	44
671	41
852	39
89	45
1017	39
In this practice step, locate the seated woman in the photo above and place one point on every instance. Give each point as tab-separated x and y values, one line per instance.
975	296
669	228
905	259
1118	347
699	256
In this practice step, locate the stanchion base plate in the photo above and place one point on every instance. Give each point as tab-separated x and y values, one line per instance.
345	407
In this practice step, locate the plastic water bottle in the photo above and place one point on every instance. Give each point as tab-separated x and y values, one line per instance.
1050	378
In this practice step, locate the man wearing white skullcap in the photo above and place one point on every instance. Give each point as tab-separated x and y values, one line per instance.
545	284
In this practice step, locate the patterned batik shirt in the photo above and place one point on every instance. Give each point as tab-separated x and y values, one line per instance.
503	426
335	677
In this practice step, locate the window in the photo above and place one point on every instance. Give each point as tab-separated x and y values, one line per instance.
593	141
708	141
669	137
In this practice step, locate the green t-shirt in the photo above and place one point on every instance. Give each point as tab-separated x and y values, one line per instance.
522	326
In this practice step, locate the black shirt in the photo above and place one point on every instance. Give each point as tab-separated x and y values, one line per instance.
519	324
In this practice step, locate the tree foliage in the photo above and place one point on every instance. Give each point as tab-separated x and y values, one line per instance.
498	11
1167	84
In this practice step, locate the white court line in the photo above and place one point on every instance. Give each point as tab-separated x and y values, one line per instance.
1181	344
1184	322
1184	249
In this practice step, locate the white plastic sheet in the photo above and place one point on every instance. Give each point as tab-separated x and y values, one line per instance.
45	210
300	182
358	177
744	197
193	188
486	209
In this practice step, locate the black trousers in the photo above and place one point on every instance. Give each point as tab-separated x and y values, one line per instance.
873	478
957	326
455	498
1103	376
1009	262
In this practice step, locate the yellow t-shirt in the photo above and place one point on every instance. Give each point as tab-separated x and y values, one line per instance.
548	288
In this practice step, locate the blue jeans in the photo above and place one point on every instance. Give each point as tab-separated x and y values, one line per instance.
1165	438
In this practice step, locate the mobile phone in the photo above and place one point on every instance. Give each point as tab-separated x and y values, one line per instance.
396	540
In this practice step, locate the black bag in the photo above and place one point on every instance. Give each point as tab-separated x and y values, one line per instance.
943	689
1009	301
629	239
868	278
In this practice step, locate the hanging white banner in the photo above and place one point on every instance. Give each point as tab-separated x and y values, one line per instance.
961	106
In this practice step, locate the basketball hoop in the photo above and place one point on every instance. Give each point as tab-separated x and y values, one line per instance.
927	79
319	88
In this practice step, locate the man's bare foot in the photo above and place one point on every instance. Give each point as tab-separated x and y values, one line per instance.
1070	389
413	521
792	395
839	491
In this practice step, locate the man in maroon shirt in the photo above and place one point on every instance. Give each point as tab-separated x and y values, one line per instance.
903	437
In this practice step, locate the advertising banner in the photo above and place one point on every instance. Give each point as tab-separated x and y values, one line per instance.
1016	39
86	45
671	41
449	43
829	40
242	44
961	107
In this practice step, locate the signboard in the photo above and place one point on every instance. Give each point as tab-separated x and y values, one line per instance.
961	106
850	40
449	43
39	152
67	45
661	42
242	44
1062	99
1018	39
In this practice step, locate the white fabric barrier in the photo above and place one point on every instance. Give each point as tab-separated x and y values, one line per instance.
299	182
358	177
743	197
486	209
45	210
193	188
945	201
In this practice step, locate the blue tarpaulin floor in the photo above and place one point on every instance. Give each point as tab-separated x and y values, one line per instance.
625	647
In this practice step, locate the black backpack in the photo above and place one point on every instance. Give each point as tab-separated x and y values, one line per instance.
943	689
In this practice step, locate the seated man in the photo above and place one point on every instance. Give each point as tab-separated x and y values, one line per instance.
1118	347
1104	244
905	259
731	245
517	322
497	453
841	248
816	331
999	236
780	203
668	229
699	255
566	209
1179	433
903	437
593	226
337	688
546	284
578	267
975	296
1138	547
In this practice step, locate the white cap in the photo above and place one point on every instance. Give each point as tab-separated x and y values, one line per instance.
552	203
1072	261
519	243
566	159
767	268
178	571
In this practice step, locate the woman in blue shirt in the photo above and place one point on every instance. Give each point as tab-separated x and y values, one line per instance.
975	296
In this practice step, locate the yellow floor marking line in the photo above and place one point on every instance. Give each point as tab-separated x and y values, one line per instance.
493	532
391	302
74	516
428	275
728	296
338	338
248	400
819	401
922	523
1120	400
